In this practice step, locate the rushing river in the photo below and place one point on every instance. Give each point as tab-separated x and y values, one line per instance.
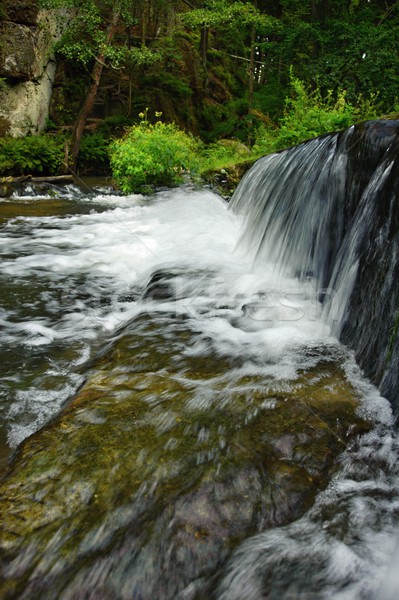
77	269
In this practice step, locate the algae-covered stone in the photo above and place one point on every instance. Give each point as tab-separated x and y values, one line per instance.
161	465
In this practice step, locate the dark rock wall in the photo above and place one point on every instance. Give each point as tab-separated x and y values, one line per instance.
371	319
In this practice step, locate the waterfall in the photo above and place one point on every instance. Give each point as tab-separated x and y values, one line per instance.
328	210
291	203
182	423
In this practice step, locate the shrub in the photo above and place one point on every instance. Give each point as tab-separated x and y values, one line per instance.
308	114
224	120
32	155
114	123
222	154
153	154
93	153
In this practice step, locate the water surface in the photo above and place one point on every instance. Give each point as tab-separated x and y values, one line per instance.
80	271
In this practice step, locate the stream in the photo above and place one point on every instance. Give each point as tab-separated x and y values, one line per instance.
155	301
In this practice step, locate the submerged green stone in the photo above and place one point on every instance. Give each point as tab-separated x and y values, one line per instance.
162	463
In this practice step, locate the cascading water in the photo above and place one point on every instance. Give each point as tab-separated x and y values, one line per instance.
292	206
328	210
189	419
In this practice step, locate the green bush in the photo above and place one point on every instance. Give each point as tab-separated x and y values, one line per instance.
153	154
93	154
114	124
308	114
224	120
223	153
174	84
32	155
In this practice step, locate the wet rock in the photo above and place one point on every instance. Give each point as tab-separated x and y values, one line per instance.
227	179
5	189
161	465
167	284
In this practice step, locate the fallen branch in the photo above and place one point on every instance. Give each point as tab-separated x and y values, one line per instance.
15	179
53	179
48	179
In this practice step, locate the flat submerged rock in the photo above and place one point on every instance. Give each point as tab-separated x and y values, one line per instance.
162	464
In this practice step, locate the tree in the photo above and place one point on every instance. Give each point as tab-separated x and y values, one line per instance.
226	15
92	92
213	66
245	21
93	27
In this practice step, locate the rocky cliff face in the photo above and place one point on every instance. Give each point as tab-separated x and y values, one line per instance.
27	66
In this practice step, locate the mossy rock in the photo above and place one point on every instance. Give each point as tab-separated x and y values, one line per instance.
225	180
235	146
161	465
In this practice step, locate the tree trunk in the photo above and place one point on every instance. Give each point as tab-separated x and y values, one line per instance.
91	95
144	25
204	44
251	78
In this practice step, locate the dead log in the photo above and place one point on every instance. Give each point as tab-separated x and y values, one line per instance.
53	179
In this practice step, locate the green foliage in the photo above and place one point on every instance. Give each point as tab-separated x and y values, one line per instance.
224	120
221	13
222	154
309	114
349	47
86	36
94	153
269	99
114	125
152	154
343	45
137	57
33	155
173	84
66	100
360	57
353	4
